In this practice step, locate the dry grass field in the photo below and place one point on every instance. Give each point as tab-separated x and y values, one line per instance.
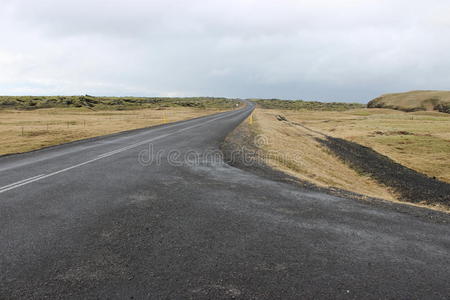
417	140
26	130
296	152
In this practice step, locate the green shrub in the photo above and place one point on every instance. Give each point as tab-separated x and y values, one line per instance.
116	103
306	105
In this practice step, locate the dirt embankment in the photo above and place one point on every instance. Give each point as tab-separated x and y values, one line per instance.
241	150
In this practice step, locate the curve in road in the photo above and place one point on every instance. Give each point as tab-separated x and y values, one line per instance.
155	213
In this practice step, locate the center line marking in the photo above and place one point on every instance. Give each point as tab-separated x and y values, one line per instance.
19	183
107	154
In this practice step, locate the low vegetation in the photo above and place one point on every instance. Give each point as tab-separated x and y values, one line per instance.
306	105
111	103
414	101
30	123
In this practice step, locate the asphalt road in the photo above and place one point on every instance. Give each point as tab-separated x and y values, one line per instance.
99	219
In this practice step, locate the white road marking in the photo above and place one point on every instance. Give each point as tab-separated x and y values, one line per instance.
43	176
18	183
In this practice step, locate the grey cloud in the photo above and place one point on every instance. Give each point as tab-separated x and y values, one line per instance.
323	49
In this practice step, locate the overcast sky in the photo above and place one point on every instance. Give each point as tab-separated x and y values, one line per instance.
344	50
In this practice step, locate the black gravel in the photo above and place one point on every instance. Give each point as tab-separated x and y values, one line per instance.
412	186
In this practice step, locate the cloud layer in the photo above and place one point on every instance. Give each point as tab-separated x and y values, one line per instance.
350	50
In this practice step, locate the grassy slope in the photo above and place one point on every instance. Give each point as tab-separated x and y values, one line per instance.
414	101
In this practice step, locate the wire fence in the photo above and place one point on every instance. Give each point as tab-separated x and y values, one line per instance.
32	128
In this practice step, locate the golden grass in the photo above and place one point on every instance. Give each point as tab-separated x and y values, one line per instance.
296	152
22	131
420	140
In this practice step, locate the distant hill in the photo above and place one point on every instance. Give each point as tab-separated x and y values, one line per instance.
414	101
306	105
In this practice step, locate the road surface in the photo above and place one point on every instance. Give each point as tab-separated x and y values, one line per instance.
100	219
